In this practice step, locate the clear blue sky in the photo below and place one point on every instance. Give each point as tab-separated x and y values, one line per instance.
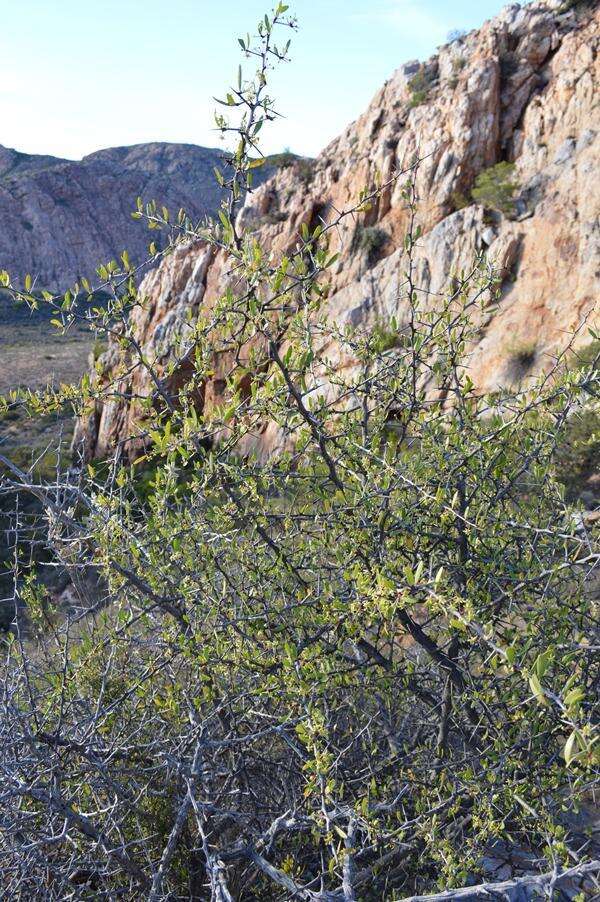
77	75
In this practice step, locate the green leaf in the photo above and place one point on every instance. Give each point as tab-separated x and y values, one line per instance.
536	688
543	661
571	747
574	697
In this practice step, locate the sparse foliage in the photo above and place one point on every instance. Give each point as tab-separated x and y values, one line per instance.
341	672
496	188
421	85
578	454
459	200
371	240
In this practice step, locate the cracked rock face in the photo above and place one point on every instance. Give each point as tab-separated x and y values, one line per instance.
523	88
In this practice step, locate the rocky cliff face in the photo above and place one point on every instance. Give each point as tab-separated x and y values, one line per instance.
59	219
523	88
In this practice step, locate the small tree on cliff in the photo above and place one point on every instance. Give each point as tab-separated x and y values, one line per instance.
342	672
496	188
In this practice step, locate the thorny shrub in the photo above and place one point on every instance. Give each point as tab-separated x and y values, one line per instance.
343	672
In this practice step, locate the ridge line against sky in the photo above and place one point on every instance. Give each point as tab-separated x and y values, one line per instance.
78	76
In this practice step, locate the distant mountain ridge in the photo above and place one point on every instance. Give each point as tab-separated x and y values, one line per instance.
60	218
14	162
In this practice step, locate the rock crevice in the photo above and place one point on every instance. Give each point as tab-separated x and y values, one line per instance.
524	87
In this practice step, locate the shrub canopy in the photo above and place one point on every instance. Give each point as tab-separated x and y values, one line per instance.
348	671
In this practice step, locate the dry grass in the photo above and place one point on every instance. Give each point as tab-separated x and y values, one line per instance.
33	356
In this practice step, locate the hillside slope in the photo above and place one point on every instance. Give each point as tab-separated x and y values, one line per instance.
59	219
523	88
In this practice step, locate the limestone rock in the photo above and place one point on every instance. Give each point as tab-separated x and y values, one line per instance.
524	88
